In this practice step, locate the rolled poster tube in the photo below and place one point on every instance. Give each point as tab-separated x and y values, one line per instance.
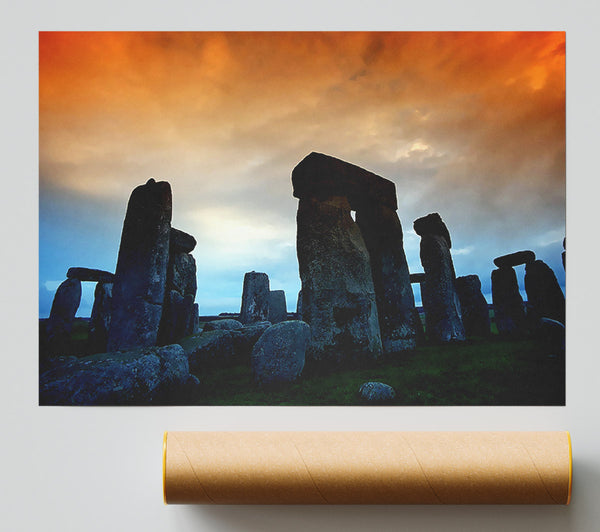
367	468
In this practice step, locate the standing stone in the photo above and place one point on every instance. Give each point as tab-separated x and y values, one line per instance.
62	314
255	298
343	263
194	323
299	305
175	320
181	273
544	295
382	232
278	356
550	336
474	307
509	310
181	286
100	319
438	292
338	296
418	278
277	306
141	273
419	329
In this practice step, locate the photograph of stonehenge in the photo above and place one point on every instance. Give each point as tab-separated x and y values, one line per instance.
297	218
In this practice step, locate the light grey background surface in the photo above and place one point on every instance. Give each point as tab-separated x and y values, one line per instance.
99	469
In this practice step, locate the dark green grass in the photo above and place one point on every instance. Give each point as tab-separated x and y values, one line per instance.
476	372
484	372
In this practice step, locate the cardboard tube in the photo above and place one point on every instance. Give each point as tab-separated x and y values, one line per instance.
367	467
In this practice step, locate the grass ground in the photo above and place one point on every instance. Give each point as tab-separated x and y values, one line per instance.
480	371
477	372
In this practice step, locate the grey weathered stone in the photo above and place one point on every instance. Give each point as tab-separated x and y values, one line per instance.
208	349
100	318
142	376
226	325
277	306
420	331
299	305
60	323
322	177
336	272
279	354
175	321
141	273
514	259
544	295
194	323
89	274
255	298
181	274
181	242
245	338
417	277
474	307
509	310
550	335
438	292
376	392
338	295
432	224
382	233
178	307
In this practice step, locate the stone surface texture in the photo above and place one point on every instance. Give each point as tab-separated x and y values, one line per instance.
278	356
338	295
299	305
180	293
181	242
89	274
245	338
509	310
376	392
138	377
208	350
438	291
382	233
100	318
60	323
544	296
255	298
225	324
514	259
432	225
356	292
277	306
417	277
474	307
141	273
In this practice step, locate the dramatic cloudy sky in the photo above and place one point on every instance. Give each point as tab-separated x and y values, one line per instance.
470	125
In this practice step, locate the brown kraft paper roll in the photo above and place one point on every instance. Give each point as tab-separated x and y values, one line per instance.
367	467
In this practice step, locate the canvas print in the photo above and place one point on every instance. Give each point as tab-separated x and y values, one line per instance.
302	218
